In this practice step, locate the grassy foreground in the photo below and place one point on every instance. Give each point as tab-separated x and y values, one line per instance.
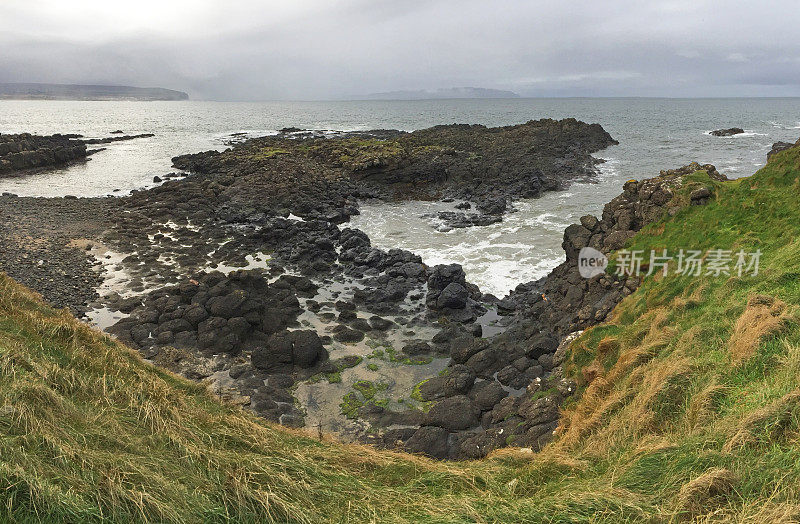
689	408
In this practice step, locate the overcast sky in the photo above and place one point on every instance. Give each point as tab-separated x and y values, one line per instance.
321	49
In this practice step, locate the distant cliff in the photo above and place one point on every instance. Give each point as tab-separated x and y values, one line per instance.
451	92
86	92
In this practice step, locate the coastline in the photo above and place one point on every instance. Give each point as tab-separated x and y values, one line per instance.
244	275
152	236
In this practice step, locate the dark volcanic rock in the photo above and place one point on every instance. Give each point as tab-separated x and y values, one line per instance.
110	139
728	132
520	386
237	203
301	348
26	151
487	165
453	296
777	147
430	440
227	314
454	413
450	294
307	348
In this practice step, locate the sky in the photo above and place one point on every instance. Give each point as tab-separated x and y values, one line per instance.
331	49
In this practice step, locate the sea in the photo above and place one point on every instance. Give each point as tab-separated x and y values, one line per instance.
653	134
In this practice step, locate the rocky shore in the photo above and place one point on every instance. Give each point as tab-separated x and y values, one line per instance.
509	389
244	274
20	153
26	151
486	166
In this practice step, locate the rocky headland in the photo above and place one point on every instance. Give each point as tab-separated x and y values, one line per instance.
26	151
39	91
244	274
20	153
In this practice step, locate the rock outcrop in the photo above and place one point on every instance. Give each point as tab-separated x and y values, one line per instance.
777	147
26	151
22	152
728	132
514	382
472	162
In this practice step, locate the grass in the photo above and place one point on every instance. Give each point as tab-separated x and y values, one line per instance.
268	152
364	392
693	376
688	408
352	154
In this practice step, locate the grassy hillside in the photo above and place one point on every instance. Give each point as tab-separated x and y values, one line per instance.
689	407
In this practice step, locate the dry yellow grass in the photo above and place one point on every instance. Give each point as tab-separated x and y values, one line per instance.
703	406
703	494
763	316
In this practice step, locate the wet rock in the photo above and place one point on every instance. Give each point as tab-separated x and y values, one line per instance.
417	347
110	139
457	381
449	333
26	151
276	353
442	276
486	393
542	344
361	324
379	323
433	389
464	347
342	305
280	381
195	314
347	316
307	348
590	222
728	132
429	440
483	362
546	361
453	413
346	335
493	205
453	296
226	306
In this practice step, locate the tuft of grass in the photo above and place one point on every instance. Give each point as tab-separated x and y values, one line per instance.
705	493
763	316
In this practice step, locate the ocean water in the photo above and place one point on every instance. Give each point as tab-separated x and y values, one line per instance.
654	134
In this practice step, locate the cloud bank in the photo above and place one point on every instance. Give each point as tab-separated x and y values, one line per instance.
315	49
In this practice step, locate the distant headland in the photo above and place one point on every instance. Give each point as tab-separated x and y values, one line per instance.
450	92
34	91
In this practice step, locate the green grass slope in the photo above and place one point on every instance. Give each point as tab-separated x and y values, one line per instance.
688	408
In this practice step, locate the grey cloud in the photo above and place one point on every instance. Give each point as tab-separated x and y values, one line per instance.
251	50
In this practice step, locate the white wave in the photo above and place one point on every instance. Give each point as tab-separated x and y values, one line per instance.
748	133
